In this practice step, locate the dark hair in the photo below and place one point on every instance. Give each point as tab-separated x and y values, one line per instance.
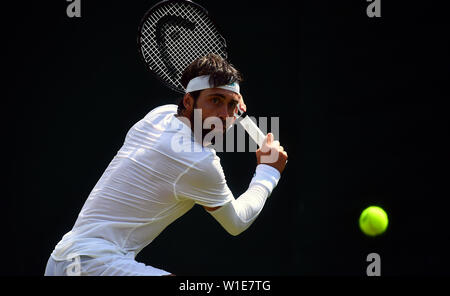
221	72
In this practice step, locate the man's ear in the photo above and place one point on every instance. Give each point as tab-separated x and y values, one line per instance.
188	102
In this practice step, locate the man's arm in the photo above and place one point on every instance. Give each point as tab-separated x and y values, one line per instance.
237	215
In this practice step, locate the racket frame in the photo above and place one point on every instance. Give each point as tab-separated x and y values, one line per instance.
144	20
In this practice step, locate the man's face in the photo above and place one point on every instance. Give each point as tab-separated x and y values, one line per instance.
219	103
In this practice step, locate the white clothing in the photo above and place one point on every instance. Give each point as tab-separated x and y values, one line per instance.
237	215
147	186
111	265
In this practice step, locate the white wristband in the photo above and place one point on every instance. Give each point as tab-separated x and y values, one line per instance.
266	176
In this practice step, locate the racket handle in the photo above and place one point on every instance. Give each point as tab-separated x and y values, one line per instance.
253	130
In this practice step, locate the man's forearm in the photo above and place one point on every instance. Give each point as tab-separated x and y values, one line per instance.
236	216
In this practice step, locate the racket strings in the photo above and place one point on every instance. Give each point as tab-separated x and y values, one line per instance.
181	44
195	48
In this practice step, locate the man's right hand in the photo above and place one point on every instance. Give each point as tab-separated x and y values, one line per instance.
271	153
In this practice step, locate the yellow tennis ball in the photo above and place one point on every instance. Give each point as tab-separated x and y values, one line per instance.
373	221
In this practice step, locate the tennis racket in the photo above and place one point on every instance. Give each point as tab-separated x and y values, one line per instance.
171	35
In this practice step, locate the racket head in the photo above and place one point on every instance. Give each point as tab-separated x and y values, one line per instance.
172	34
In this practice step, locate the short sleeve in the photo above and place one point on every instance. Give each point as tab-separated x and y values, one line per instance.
204	183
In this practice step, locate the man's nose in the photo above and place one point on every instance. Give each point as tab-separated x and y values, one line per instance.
223	112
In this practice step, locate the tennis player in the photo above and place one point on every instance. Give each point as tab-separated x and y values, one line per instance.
158	175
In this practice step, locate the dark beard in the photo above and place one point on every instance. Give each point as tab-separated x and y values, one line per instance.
206	131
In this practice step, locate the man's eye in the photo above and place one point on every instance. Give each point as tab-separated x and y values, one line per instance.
215	100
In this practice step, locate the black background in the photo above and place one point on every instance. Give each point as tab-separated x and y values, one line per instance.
363	115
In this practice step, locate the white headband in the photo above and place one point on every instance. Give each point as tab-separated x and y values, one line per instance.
202	82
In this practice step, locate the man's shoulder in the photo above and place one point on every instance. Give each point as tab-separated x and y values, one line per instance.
163	109
210	165
196	156
178	143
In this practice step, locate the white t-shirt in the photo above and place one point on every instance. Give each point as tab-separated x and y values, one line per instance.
156	177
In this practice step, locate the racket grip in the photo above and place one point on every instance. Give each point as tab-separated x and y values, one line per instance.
253	130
